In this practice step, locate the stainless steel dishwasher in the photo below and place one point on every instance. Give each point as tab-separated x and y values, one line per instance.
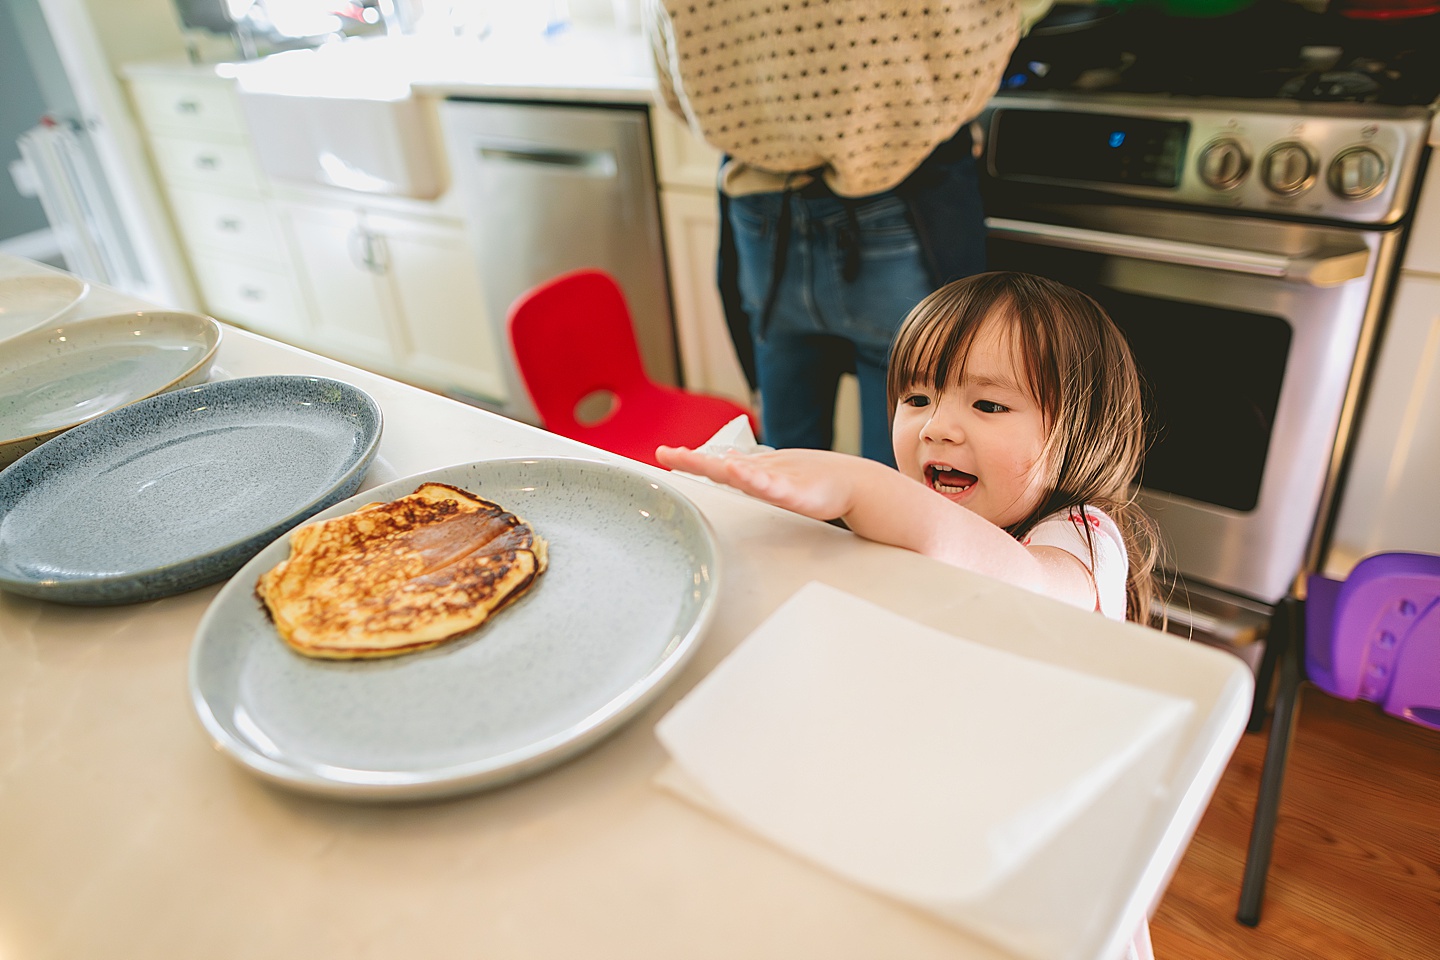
554	187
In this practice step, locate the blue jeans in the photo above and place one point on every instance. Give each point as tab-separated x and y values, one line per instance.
822	326
849	278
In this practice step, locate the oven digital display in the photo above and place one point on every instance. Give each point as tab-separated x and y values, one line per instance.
1098	148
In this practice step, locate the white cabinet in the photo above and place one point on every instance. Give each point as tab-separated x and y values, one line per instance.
396	293
344	274
706	351
686	168
193	102
206	164
219	200
448	338
682	159
387	285
255	295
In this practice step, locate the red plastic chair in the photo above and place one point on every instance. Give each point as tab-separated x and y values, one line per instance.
1373	636
573	338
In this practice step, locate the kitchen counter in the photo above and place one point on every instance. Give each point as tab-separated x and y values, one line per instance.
126	834
579	64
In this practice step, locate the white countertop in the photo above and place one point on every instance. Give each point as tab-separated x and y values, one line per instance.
125	834
578	64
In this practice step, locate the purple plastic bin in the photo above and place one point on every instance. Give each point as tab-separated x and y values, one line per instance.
1376	635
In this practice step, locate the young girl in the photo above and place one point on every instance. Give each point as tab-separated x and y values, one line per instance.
1017	431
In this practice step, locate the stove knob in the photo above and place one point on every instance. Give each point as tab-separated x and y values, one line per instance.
1357	173
1289	168
1223	164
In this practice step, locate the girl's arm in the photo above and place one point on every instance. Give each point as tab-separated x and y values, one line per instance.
882	504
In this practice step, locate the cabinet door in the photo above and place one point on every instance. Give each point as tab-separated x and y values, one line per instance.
343	263
450	341
707	356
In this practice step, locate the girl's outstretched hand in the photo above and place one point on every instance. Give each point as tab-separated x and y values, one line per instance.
882	504
817	483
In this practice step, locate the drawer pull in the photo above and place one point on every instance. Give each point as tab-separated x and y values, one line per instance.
252	293
207	162
230	224
187	106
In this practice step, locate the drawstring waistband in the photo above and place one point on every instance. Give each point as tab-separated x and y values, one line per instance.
777	264
934	203
849	240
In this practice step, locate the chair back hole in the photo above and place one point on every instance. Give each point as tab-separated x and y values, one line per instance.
596	407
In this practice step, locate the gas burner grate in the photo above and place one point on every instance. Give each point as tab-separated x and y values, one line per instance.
1273	49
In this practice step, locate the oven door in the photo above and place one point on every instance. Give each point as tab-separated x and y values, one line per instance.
1247	333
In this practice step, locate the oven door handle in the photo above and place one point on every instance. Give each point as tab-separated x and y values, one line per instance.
1327	269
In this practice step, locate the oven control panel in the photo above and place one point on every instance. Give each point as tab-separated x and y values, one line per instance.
1355	163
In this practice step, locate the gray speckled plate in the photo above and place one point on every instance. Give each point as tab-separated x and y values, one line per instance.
53	379
629	591
178	490
30	302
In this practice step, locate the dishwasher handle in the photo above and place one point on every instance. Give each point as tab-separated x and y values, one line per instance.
593	163
1328	268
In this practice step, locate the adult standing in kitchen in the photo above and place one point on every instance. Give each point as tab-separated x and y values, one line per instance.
848	189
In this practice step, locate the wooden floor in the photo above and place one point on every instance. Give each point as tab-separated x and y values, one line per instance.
1355	871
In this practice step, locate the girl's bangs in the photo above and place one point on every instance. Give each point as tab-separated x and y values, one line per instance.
937	352
934	348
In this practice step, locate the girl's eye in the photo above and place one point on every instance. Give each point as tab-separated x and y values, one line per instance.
916	400
990	406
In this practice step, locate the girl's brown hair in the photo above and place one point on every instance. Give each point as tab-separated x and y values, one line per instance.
1081	372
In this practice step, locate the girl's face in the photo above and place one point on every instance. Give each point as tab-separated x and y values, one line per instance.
979	442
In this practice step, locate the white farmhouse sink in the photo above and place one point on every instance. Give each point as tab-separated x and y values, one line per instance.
342	115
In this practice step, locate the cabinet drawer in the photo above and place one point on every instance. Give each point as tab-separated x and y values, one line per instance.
180	105
251	295
206	164
237	223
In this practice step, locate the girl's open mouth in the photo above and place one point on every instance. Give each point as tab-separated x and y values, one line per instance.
948	480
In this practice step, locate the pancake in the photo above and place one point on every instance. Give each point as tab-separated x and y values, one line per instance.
394	578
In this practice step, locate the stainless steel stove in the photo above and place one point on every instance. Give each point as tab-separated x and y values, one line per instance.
1247	246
